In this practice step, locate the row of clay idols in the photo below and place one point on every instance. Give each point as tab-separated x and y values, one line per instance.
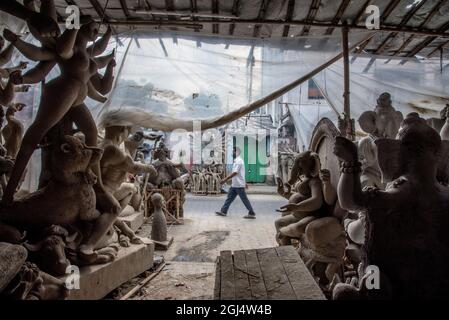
402	230
82	187
207	180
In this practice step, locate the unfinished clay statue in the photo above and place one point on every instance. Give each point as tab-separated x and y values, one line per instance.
159	223
115	166
69	91
135	141
13	131
71	182
166	170
408	222
307	203
383	122
42	24
22	280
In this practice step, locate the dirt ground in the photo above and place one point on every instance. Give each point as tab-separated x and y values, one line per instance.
190	261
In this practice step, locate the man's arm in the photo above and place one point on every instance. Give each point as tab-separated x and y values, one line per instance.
235	170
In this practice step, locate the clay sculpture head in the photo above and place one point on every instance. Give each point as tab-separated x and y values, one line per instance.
419	146
73	156
384	121
307	164
158	201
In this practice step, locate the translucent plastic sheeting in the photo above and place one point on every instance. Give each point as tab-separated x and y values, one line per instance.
175	78
305	116
416	86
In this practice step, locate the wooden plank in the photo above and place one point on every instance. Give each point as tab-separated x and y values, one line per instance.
299	276
257	284
276	280
227	291
217	286
241	278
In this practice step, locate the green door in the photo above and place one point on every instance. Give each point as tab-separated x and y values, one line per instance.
255	161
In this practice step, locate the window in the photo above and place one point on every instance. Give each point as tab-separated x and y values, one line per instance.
314	92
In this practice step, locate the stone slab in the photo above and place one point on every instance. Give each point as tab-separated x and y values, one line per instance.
98	280
134	221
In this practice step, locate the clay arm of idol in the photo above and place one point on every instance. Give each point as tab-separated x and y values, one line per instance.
135	167
7	93
100	45
350	194
6	54
329	192
45	25
103	84
444	133
34	75
309	205
65	44
94	94
5	73
103	61
30	51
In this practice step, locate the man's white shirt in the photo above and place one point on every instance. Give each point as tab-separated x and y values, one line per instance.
239	167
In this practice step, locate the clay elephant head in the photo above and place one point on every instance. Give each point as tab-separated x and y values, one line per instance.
394	155
306	163
384	121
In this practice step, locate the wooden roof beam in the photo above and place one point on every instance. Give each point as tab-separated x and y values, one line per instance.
215	10
313	10
361	12
341	10
99	10
288	17
235	11
429	17
440	47
425	43
125	8
388	10
393	35
262	12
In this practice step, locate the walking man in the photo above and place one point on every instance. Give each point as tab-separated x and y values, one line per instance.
237	187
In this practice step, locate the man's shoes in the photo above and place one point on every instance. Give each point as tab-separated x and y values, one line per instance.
250	216
219	213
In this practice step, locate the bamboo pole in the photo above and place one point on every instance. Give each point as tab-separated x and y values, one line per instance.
348	127
200	25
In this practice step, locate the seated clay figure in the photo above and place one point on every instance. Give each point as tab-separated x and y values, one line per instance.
408	222
72	183
115	165
307	203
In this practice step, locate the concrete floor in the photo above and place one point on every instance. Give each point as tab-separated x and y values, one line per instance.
190	270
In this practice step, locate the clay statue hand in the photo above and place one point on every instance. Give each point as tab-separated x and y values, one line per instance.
291	207
6	165
16	77
345	149
112	63
22	65
44	25
10	36
325	175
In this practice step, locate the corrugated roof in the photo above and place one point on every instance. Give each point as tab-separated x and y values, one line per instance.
283	18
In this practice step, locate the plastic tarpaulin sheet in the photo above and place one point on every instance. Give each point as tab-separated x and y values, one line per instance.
179	77
419	85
